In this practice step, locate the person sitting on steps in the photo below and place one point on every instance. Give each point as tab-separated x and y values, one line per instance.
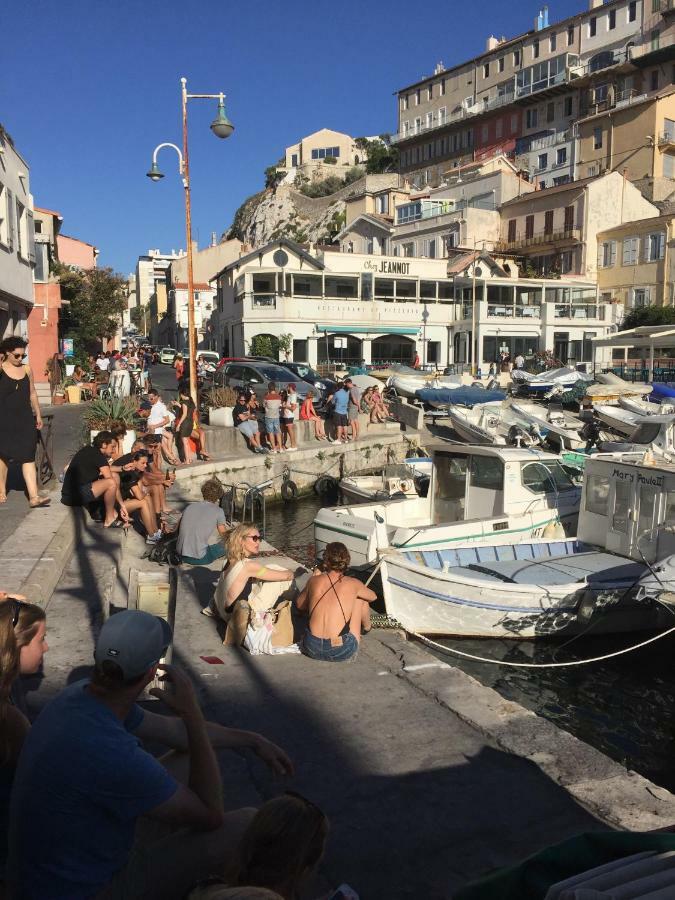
89	478
338	609
197	524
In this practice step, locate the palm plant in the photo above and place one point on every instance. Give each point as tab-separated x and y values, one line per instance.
101	413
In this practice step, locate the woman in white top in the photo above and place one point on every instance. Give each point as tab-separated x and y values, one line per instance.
287	419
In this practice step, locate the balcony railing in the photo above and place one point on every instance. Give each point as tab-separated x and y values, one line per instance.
668	137
579	311
525	145
540	238
260	301
500	311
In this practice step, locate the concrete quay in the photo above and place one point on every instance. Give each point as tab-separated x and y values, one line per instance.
429	779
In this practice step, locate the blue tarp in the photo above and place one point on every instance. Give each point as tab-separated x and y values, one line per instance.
663	391
461	396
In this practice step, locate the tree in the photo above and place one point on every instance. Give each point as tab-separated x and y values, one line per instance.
381	155
265	345
649	315
96	302
286	344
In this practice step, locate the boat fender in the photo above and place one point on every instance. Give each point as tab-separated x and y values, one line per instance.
406	486
553	531
324	485
289	490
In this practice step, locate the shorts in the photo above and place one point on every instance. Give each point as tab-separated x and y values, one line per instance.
86	493
272	426
285	421
353	413
213	551
248	428
340	420
323	649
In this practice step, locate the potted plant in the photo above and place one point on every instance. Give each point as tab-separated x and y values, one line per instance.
59	396
101	414
220	401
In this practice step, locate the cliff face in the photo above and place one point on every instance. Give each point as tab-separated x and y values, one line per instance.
285	212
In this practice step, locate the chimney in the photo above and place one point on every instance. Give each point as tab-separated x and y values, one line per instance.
439	68
595	4
491	43
213	239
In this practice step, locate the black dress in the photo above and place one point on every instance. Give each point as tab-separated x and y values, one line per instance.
18	434
187	424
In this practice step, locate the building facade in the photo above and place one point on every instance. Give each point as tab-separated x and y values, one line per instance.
351	307
43	321
308	157
636	262
76	253
17	240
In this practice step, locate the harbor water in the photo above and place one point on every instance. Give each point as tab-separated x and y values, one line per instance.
624	707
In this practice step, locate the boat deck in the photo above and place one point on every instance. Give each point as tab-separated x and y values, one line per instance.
544	563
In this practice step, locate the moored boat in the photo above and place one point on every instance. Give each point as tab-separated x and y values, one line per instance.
410	479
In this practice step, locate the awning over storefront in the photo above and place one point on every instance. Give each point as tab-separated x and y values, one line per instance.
366	329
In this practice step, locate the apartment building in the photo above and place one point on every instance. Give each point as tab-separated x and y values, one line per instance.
555	230
151	268
43	320
636	262
76	253
352	306
17	240
523	96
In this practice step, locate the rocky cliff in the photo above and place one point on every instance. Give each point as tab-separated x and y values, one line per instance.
285	212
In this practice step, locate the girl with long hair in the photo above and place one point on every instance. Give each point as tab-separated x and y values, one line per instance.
22	645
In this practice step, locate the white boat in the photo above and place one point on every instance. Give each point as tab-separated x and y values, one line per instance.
604	580
654	433
617	418
544	382
645	407
410	479
559	427
493	424
483	495
406	380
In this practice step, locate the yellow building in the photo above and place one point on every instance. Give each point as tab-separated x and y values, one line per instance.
636	262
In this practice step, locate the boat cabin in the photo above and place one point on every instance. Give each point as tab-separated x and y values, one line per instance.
628	505
475	482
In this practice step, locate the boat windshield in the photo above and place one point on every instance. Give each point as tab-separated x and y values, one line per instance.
546	477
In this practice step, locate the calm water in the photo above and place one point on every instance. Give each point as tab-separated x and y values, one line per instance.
624	707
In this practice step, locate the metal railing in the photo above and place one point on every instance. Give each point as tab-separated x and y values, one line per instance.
264	300
540	237
668	137
499	311
579	311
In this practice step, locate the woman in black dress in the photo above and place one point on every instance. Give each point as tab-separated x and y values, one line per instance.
184	423
20	418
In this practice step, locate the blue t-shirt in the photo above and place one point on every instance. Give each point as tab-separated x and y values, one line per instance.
341	402
81	783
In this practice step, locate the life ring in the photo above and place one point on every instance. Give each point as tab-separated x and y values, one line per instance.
289	490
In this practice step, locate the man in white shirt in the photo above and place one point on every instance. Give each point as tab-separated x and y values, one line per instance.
103	362
159	414
520	361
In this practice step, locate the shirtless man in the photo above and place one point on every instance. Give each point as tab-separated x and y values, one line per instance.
338	608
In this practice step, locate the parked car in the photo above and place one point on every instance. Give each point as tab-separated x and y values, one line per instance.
257	376
304	372
167	355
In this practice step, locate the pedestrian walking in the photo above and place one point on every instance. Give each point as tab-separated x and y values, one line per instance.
272	407
20	420
353	407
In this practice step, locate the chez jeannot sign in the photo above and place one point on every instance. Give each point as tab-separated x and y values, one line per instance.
387	266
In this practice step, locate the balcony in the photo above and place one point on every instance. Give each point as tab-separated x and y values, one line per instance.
500	311
579	311
542	142
264	301
667	140
667	8
542	239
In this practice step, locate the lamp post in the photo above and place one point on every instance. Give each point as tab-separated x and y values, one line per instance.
425	316
222	128
476	242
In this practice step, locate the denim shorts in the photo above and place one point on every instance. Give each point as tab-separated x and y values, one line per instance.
272	426
248	427
323	649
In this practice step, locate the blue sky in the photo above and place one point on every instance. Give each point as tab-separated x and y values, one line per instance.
89	88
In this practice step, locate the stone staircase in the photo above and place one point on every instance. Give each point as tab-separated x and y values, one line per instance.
44	393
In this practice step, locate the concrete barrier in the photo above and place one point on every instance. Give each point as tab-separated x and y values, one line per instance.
411	417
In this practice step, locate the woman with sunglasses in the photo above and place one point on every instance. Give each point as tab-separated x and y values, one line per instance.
20	419
240	571
22	646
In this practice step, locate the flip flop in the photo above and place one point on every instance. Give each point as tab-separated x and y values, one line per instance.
3	498
118	523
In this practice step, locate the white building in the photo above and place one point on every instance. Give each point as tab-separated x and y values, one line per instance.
151	268
17	240
350	307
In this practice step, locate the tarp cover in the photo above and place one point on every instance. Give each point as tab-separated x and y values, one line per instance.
461	396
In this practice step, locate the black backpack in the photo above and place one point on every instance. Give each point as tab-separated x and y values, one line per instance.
164	552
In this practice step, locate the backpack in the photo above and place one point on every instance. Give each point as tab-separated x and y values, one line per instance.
164	552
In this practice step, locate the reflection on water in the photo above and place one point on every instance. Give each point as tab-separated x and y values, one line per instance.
624	707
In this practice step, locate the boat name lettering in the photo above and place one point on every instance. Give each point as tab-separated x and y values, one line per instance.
654	480
624	476
388	266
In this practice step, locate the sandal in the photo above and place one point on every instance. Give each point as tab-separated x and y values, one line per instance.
39	502
118	523
3	498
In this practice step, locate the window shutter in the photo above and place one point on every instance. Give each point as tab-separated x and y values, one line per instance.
30	228
10	220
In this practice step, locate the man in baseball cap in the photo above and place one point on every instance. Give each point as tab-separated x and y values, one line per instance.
83	780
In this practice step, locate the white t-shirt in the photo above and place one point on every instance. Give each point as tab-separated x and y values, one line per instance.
103	363
157	414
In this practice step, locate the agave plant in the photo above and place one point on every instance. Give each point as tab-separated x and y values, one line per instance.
101	413
219	397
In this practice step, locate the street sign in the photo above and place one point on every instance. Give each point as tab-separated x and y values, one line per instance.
68	346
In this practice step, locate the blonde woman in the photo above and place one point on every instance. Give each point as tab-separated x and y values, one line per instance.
241	570
22	646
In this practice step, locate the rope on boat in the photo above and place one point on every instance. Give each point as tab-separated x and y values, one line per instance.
555	665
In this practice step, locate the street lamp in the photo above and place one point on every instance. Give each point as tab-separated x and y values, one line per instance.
222	128
473	347
425	316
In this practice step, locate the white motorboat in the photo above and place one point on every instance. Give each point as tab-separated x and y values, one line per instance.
653	433
618	575
482	495
551	379
645	407
617	418
406	380
409	479
559	427
493	424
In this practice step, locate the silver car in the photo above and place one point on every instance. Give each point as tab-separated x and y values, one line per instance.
257	376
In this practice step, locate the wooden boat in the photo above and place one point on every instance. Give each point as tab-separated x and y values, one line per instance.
603	579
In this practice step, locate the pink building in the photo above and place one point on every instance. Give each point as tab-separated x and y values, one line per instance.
73	252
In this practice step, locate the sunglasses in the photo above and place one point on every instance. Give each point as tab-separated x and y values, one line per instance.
19	355
253	537
17	611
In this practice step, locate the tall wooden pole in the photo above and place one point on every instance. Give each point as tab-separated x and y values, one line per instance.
192	335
